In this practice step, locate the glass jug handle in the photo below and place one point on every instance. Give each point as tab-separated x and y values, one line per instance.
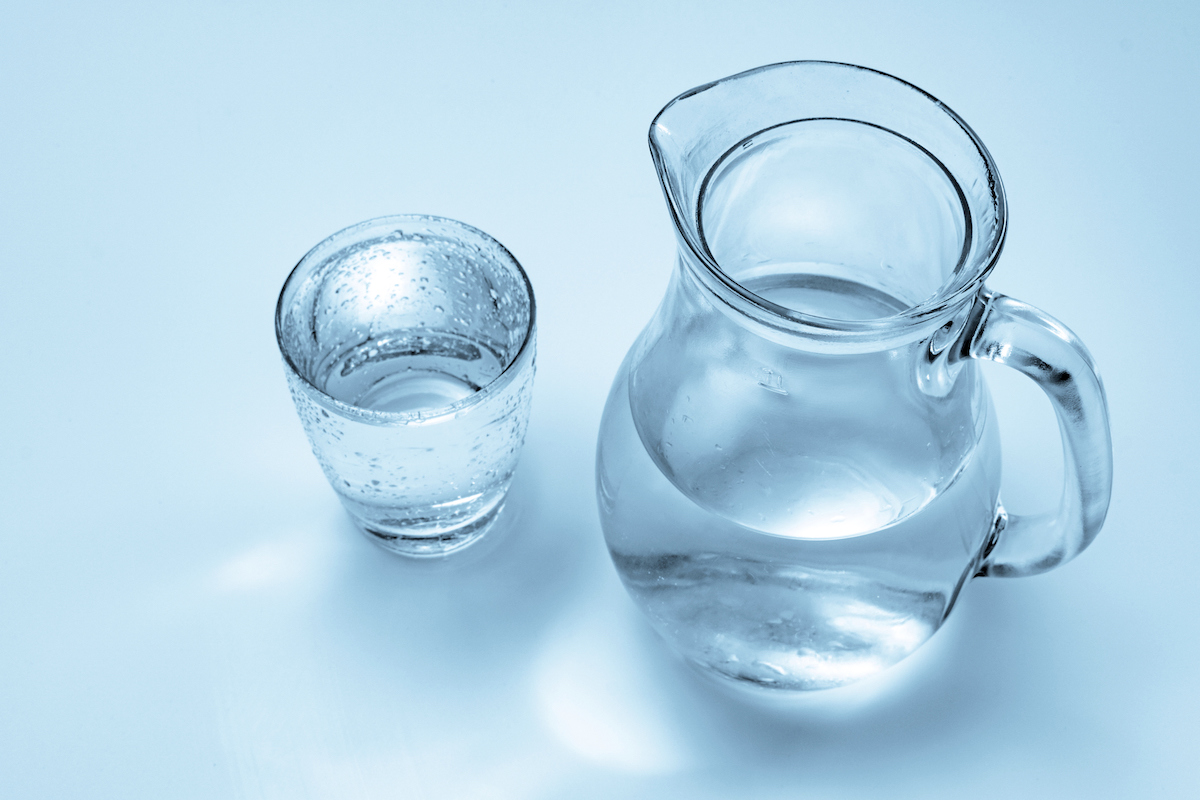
1032	342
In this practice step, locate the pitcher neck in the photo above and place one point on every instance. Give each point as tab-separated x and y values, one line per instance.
804	117
758	317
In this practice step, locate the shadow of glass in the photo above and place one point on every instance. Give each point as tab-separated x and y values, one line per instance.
448	616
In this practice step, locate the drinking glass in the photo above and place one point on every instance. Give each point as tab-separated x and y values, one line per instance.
408	343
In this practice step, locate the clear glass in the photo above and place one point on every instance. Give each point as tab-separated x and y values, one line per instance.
798	466
408	343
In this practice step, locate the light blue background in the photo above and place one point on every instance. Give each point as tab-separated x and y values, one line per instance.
185	611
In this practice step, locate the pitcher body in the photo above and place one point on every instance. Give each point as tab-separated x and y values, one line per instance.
787	518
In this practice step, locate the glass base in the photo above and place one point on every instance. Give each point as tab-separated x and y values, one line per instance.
424	539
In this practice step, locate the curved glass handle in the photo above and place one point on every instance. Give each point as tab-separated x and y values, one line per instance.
1020	336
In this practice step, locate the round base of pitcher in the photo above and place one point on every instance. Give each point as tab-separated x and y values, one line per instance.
424	538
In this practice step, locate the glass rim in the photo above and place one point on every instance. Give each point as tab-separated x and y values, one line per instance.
326	249
961	285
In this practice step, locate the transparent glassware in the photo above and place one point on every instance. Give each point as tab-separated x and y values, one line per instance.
798	467
408	343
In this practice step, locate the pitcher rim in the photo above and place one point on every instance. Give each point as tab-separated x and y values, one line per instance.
955	291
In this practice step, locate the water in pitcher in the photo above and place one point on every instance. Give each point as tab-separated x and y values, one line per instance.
796	546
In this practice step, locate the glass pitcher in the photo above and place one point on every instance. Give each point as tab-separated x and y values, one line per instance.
798	467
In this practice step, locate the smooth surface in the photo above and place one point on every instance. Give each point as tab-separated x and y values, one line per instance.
185	610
